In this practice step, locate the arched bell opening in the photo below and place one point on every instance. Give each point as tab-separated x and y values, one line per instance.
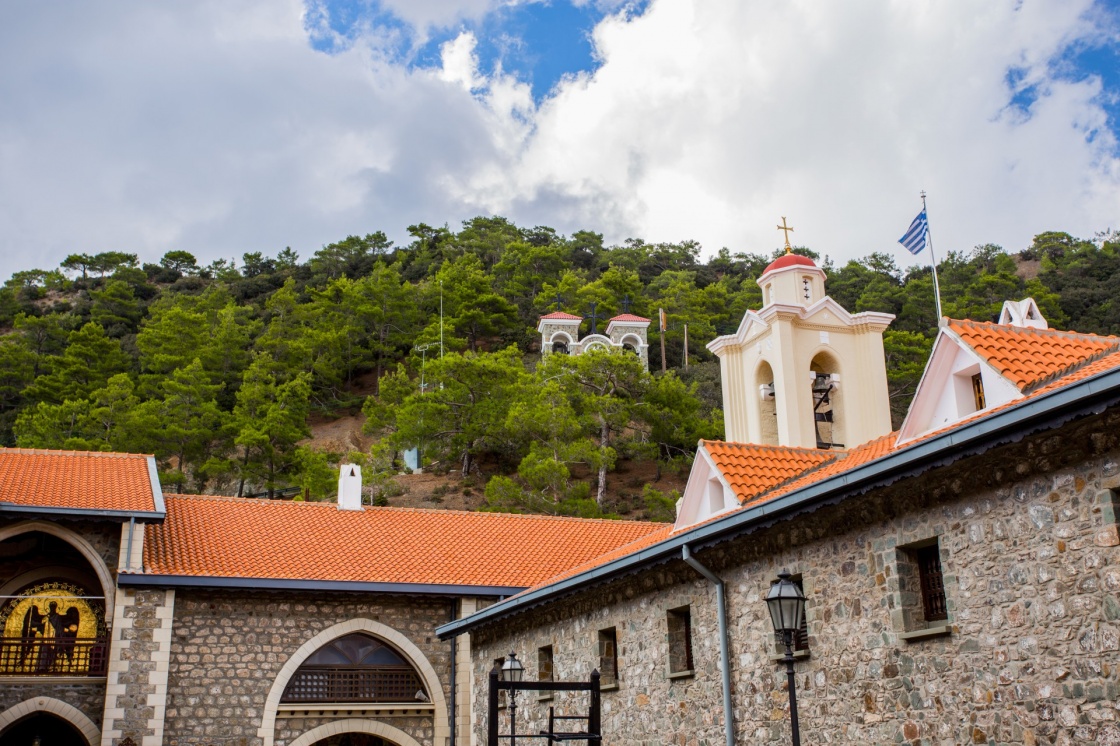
561	343
42	729
828	401
355	668
52	611
767	392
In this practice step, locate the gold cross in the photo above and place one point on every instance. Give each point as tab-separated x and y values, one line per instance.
787	229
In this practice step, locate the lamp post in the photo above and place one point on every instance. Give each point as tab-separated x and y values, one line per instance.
786	603
513	671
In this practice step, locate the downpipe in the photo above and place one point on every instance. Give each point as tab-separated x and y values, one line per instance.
725	658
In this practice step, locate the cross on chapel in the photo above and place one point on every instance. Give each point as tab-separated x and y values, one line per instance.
787	229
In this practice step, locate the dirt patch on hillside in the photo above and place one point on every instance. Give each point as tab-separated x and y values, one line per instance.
1028	269
342	435
451	492
338	435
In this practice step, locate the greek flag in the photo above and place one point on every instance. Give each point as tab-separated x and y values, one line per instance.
915	238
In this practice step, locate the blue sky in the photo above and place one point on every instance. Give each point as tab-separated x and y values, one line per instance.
537	42
252	125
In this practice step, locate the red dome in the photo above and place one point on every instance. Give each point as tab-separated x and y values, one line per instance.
790	260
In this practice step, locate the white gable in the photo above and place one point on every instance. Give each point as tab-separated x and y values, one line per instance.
950	390
706	494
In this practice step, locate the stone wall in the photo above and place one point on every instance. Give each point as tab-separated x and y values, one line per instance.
136	689
1028	544
228	648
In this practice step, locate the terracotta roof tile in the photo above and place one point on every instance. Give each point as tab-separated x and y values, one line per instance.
561	315
244	538
1030	357
75	480
624	317
752	469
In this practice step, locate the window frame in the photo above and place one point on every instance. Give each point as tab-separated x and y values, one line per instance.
551	659
917	614
680	616
605	636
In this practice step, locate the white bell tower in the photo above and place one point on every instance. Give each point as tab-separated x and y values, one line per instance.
802	371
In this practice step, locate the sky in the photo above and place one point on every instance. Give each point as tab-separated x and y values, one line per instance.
230	126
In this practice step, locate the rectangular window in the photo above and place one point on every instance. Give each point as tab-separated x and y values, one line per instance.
608	656
545	670
932	583
921	603
680	639
544	664
978	392
503	695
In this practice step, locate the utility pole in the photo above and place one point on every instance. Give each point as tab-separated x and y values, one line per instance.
661	323
686	346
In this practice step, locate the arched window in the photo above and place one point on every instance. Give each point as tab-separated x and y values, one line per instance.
560	346
355	668
827	401
768	404
51	623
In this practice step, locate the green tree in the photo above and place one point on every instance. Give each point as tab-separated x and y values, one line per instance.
184	425
605	388
91	358
179	262
463	415
115	308
269	419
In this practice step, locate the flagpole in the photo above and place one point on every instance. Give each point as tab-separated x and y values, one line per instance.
933	261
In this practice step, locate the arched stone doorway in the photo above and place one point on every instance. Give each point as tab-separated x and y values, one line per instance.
44	729
331	734
354	739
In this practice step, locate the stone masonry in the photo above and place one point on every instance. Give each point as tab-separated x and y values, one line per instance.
136	689
1029	548
227	648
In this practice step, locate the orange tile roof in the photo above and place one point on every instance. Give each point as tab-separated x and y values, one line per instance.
244	538
752	469
561	315
76	480
1030	357
624	317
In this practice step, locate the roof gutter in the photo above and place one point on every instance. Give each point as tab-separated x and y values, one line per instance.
150	516
301	584
1079	399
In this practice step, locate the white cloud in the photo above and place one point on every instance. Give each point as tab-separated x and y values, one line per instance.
215	128
710	120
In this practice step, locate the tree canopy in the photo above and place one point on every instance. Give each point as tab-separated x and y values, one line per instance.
219	369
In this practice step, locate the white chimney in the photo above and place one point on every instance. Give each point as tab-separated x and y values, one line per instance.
1023	314
350	487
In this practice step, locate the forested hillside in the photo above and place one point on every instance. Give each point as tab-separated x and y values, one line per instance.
217	369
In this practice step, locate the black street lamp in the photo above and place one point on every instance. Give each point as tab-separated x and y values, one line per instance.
512	671
786	603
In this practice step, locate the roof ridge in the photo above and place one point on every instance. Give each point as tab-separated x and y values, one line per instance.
403	509
768	446
61	452
1063	333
